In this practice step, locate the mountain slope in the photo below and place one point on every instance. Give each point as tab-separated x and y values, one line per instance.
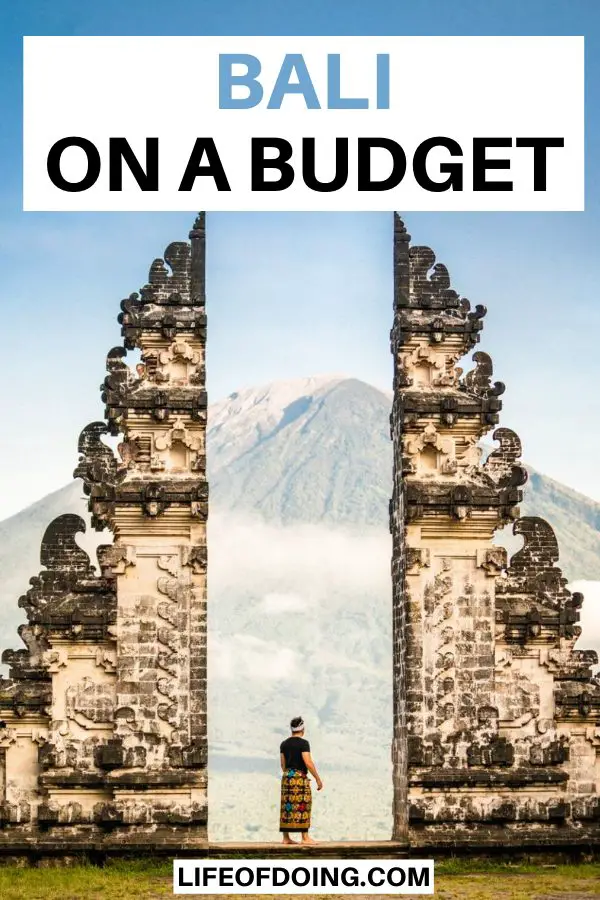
576	520
20	539
323	455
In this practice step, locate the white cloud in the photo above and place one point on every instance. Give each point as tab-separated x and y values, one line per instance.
247	657
275	603
246	548
590	614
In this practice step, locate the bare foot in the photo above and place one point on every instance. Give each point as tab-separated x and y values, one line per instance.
308	840
288	841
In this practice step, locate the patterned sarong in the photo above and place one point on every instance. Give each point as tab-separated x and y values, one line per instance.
296	801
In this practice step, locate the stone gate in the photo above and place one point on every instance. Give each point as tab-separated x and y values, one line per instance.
496	715
496	737
104	737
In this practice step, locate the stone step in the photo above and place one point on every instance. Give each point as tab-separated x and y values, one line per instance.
324	849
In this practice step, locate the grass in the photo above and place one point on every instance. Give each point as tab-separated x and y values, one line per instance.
138	881
455	880
480	880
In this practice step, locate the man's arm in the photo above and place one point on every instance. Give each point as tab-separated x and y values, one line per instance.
308	762
283	765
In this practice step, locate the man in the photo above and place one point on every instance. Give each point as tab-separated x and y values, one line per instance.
296	796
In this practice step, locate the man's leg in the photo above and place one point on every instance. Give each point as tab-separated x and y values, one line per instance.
306	838
287	839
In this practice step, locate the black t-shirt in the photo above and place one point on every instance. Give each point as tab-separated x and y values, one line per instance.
292	749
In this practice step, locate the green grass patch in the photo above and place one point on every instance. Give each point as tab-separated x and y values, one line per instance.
85	883
456	879
497	867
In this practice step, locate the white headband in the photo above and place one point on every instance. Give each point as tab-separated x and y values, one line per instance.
299	727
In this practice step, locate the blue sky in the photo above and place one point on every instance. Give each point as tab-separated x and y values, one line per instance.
294	294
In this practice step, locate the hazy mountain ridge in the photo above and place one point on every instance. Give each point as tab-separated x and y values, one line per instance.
575	519
270	453
323	455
